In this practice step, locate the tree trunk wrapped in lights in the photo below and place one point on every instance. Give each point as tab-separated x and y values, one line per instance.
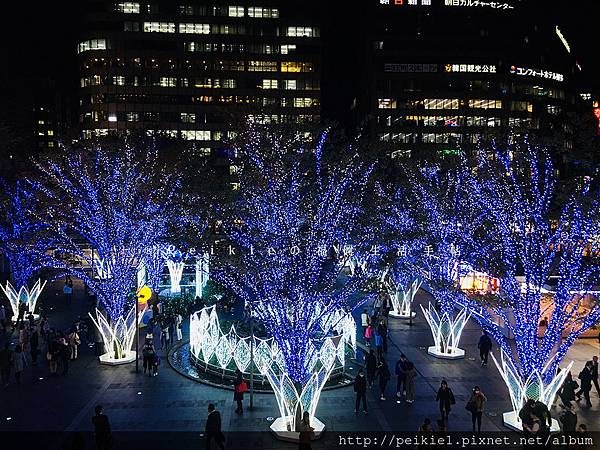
119	202
537	234
293	208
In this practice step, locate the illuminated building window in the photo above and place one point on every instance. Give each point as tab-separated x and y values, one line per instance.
478	121
485	104
184	82
262	66
228	29
188	117
194	28
50	133
112	117
128	8
265	13
133	117
167	82
386	103
289	84
92	44
159	27
186	10
196	135
440	103
288	48
270	84
41	122
236	11
441	138
302	32
118	80
553	109
292	66
300	102
521	106
230	65
50	144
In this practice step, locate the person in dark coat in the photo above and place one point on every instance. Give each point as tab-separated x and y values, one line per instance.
371	366
238	392
382	329
568	419
585	376
401	375
594	373
360	387
445	398
484	346
383	373
34	343
213	428
102	431
525	414
6	360
306	433
567	391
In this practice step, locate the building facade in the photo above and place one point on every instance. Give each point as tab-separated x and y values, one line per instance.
191	70
444	74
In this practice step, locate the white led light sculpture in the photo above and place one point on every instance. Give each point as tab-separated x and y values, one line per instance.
103	268
402	299
211	346
533	387
117	337
175	273
446	332
23	295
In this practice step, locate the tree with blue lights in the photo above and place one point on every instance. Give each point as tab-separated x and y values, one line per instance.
23	240
445	220
539	235
294	206
116	203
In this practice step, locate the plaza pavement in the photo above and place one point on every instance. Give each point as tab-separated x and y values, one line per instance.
169	411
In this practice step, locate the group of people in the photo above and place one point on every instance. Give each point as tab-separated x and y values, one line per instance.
61	348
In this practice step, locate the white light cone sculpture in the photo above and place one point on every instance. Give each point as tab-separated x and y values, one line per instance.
175	273
118	337
211	346
23	295
355	263
402	299
446	332
532	388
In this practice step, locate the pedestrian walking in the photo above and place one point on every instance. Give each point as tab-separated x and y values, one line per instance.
594	374
171	330
213	428
65	355
6	360
164	336
68	293
368	335
378	345
382	329
475	406
360	388
383	373
306	433
568	389
19	362
102	430
3	318
73	342
178	321
585	376
239	388
147	356
44	328
411	374
400	375
371	366
155	363
445	398
53	355
23	336
378	304
364	320
484	346
568	419
21	310
34	342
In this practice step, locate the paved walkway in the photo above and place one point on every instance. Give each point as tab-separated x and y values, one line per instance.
148	408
